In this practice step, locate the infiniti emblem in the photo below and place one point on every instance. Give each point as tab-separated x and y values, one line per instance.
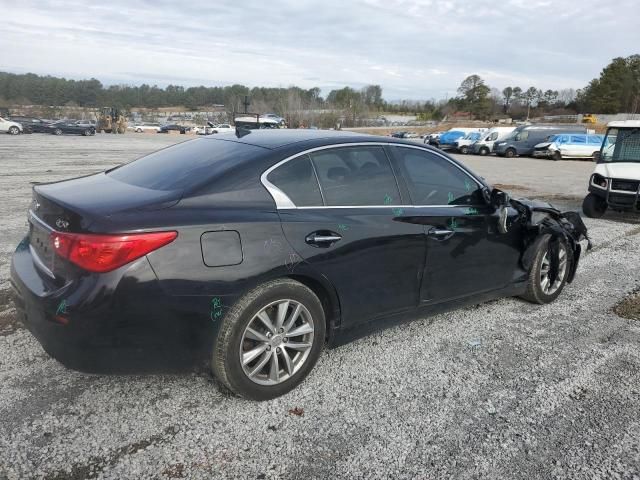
62	224
36	205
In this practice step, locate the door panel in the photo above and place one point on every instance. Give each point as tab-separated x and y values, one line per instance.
375	266
475	257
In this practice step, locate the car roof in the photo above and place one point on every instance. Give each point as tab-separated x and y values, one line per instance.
276	138
624	124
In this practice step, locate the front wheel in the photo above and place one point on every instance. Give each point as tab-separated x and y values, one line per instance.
14	130
464	150
86	133
594	206
270	340
510	153
57	131
549	271
557	155
484	151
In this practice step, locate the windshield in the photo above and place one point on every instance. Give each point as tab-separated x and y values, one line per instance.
621	145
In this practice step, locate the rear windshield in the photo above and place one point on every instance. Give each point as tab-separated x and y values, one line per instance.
188	164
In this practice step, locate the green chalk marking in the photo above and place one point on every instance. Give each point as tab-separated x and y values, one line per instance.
471	211
62	308
343	227
387	200
453	223
397	212
450	197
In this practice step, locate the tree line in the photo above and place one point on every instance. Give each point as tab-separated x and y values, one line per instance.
616	90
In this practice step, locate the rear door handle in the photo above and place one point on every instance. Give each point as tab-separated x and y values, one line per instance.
322	239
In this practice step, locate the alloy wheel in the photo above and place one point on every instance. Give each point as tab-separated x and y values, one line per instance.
276	342
547	286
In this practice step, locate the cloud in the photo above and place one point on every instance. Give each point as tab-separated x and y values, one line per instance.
414	49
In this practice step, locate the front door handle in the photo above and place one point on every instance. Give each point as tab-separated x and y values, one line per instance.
441	233
322	239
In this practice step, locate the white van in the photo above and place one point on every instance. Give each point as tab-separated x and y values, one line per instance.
615	182
484	146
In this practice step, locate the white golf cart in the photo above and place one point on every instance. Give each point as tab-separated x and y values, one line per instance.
615	182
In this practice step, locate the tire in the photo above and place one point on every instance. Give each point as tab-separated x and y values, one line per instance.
14	131
593	206
510	153
484	151
86	133
233	340
138	130
464	150
557	155
537	290
57	131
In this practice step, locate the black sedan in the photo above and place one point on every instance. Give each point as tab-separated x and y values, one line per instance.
252	251
173	127
73	128
32	124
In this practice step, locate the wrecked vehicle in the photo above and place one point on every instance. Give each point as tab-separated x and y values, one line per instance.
615	182
252	251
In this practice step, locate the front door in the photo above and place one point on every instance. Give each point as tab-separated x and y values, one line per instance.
347	223
465	252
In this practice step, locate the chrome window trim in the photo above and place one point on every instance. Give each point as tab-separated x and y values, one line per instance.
283	202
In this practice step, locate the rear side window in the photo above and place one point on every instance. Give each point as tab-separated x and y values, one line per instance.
432	180
595	139
188	164
578	139
298	181
356	176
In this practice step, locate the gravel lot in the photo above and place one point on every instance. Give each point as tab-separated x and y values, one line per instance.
500	390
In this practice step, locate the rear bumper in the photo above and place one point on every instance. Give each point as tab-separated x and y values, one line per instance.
120	322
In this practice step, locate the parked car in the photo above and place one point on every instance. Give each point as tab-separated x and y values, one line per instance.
484	146
433	138
10	127
31	124
576	145
173	127
463	144
145	127
398	134
524	138
223	128
251	251
447	140
615	182
72	128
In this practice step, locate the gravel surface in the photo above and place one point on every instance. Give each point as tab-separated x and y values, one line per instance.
504	389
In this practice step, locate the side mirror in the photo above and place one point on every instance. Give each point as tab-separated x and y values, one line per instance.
500	201
596	157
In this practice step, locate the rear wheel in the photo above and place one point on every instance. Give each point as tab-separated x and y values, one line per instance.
270	340
510	153
594	206
548	275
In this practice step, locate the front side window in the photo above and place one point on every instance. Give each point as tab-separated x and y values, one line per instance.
298	181
356	176
522	136
492	137
432	180
578	139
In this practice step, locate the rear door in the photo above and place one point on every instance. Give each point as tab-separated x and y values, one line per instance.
465	252
343	214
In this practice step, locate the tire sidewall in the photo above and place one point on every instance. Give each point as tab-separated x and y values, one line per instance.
238	321
484	151
590	206
543	247
510	153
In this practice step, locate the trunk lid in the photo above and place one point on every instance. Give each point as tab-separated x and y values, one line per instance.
78	204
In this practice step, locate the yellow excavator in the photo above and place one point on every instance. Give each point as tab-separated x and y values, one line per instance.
111	120
589	118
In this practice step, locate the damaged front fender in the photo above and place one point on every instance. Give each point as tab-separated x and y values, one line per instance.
541	220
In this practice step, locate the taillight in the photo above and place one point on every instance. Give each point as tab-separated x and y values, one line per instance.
103	253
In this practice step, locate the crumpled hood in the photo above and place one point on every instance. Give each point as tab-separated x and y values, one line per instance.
543	145
623	170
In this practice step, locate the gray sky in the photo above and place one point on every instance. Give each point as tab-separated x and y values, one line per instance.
414	49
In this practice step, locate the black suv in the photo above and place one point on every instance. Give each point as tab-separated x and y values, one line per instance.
32	124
